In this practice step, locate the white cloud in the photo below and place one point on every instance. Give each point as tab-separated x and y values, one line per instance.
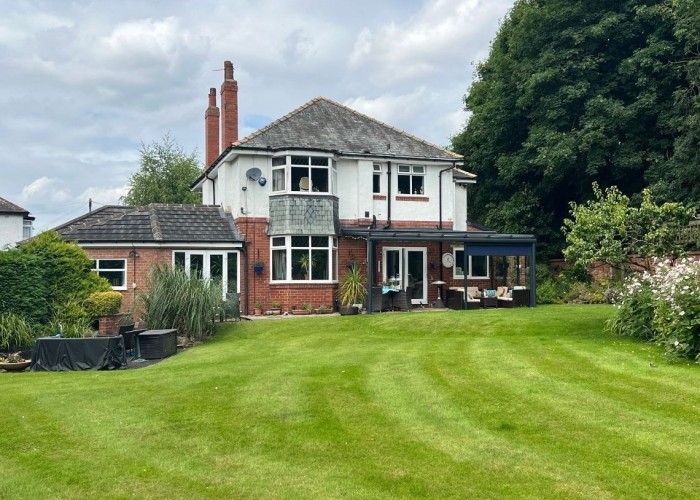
104	196
44	189
442	35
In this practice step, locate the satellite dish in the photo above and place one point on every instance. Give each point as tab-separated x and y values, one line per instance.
253	174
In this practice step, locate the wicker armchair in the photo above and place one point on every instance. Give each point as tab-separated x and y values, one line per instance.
402	299
380	301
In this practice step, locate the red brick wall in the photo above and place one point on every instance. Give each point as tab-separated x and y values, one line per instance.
137	268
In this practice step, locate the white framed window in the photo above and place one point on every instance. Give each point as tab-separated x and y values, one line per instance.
304	174
304	258
113	270
27	229
279	174
377	179
478	265
411	179
220	265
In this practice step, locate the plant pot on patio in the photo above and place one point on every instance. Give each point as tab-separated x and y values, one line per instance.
349	310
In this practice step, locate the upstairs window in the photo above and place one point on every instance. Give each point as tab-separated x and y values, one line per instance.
411	179
27	229
279	167
113	270
304	174
377	179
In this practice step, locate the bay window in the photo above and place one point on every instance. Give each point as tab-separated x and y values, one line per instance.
304	174
304	258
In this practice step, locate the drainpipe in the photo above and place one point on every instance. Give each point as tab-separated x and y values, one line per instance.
388	197
213	189
440	191
440	208
244	250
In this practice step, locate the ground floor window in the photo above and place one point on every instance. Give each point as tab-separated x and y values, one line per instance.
478	265
113	270
304	258
211	264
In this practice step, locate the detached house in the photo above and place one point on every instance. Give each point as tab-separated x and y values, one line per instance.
324	186
15	224
298	201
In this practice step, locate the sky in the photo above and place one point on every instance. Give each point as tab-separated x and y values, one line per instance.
83	84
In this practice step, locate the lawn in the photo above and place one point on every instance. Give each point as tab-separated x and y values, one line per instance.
482	404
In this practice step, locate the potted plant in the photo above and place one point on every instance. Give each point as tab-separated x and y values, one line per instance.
321	309
257	308
13	362
276	308
308	308
352	290
305	263
258	266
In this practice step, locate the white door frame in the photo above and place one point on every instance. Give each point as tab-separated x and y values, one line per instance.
403	268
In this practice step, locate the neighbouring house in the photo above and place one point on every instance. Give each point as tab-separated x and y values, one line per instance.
15	224
290	207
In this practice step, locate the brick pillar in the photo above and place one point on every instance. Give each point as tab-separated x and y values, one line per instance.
229	107
211	129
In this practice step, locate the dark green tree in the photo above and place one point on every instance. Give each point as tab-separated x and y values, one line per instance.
574	92
165	175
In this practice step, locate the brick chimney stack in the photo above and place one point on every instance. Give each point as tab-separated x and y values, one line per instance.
211	129
229	107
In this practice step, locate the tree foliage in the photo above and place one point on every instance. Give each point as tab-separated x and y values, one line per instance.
610	230
578	91
164	176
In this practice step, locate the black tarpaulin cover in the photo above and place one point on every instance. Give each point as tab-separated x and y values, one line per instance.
94	353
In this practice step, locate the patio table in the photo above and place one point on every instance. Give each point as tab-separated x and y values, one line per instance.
69	354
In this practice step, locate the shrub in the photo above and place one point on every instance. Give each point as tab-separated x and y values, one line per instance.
176	300
23	289
68	275
15	331
103	303
663	307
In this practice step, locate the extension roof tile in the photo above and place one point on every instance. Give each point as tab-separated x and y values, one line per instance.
161	223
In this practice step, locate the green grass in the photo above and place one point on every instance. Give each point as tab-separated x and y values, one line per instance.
482	404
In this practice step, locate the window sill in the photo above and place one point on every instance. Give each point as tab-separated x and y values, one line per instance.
120	288
379	196
303	282
412	197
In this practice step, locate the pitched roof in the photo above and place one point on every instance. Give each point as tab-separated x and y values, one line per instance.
162	223
7	206
324	124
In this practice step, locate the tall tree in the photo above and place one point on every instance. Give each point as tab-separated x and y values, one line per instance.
164	176
573	91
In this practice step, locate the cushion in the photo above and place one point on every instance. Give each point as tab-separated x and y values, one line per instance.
502	291
474	291
489	293
469	296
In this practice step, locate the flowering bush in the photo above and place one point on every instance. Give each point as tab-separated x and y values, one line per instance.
663	307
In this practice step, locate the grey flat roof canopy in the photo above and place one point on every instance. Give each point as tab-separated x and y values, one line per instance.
485	243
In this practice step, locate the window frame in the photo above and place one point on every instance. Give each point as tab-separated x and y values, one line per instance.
227	255
414	172
286	245
291	164
377	179
458	261
96	269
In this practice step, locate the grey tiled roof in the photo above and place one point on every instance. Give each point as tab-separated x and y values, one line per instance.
326	125
7	206
153	223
